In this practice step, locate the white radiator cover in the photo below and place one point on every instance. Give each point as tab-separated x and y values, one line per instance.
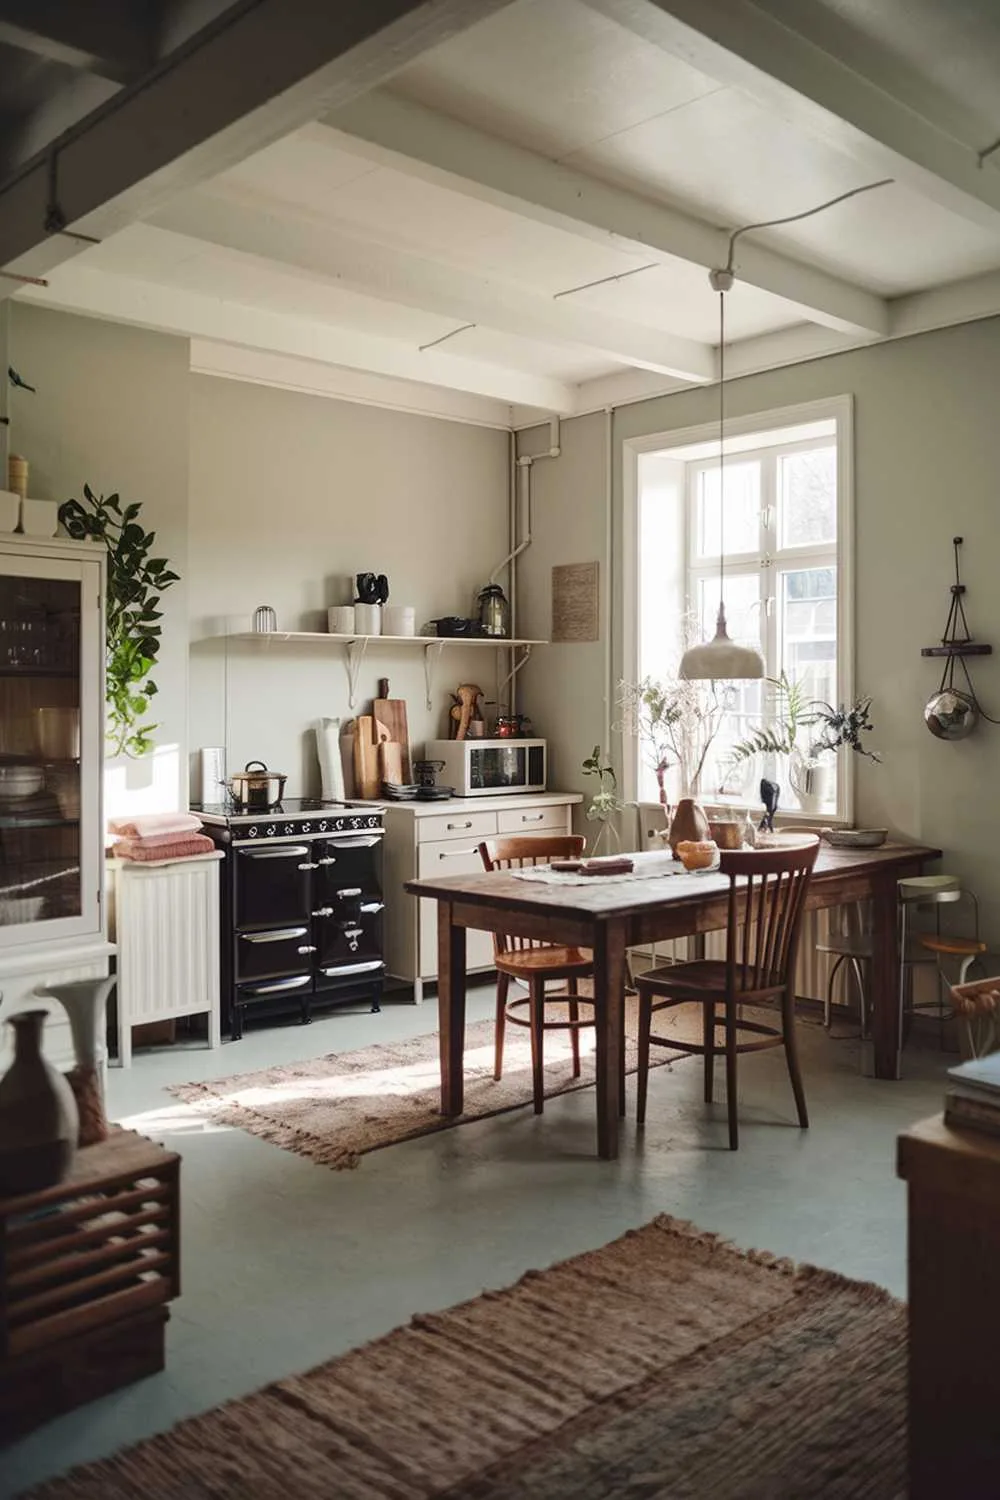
166	920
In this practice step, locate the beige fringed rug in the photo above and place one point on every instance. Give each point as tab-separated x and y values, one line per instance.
664	1366
334	1109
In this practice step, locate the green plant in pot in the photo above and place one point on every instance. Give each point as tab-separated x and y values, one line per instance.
605	804
811	756
135	583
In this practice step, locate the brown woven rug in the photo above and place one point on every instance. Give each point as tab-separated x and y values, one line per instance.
662	1366
334	1109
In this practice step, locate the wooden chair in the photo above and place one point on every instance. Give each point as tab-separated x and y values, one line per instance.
767	891
534	963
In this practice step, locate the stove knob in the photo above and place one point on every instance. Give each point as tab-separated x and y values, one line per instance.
289	827
252	831
323	826
306	828
270	830
373	820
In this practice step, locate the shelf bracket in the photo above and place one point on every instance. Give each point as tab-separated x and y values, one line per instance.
432	655
355	657
516	664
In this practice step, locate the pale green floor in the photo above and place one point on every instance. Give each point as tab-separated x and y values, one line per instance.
286	1264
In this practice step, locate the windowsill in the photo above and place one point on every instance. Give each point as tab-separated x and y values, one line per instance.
651	815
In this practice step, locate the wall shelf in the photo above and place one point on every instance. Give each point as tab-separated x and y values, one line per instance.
355	646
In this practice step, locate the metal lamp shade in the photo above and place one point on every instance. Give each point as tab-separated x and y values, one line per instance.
720	659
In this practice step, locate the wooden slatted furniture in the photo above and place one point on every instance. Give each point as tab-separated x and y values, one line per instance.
534	963
86	1271
759	967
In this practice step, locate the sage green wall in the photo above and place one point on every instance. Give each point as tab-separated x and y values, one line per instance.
927	467
111	410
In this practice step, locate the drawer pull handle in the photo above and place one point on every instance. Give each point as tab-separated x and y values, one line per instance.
460	825
323	911
370	907
535	818
276	935
456	853
329	860
353	890
343	970
306	948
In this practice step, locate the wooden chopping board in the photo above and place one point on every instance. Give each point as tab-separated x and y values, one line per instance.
390	713
367	776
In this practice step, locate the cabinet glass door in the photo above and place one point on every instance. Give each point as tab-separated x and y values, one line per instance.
49	707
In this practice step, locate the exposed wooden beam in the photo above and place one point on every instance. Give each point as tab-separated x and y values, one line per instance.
400	277
263	69
80	288
394	130
111	38
813	68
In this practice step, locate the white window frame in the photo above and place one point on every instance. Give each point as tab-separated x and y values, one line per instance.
839	409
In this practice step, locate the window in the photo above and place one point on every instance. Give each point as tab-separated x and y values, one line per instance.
786	533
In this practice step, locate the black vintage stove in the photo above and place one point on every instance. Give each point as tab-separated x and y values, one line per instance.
301	907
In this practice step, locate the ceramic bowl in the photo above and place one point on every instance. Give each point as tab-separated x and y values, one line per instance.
700	854
854	838
20	781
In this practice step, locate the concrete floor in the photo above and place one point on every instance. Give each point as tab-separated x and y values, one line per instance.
287	1264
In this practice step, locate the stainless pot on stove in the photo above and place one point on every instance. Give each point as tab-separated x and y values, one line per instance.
255	788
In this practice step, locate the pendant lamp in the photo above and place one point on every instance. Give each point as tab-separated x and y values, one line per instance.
721	659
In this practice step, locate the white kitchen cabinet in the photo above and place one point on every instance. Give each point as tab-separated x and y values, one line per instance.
52	922
442	838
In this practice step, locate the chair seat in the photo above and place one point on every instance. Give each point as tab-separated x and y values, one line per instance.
547	963
704	977
960	947
860	946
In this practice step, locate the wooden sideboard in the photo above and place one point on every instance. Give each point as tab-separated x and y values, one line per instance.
425	839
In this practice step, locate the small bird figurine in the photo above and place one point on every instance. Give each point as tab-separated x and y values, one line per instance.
769	791
16	380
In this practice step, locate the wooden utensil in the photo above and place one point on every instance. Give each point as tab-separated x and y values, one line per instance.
367	780
390	755
391	713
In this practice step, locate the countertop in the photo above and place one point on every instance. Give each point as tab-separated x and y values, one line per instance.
490	803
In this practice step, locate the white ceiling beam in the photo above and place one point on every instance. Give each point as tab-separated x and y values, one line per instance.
809	65
79	288
412	138
258	72
306	377
399	277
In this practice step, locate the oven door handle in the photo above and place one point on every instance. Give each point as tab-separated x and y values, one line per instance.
362	841
369	908
286	851
276	935
277	986
368	967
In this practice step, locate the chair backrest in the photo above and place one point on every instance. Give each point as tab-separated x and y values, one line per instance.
519	851
767	896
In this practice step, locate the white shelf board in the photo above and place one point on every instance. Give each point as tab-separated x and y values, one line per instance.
499	642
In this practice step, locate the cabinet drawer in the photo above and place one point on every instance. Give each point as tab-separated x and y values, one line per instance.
457	825
534	820
449	857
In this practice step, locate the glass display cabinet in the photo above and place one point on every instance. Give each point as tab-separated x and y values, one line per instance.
51	765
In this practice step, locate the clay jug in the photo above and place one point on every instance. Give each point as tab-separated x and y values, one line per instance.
38	1116
688	823
85	1001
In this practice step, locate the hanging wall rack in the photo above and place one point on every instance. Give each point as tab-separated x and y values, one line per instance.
953	712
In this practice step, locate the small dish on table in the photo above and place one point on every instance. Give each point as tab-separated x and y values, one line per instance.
854	838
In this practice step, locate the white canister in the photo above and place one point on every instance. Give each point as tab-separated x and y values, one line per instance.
211	785
39	517
368	619
340	619
10	509
399	619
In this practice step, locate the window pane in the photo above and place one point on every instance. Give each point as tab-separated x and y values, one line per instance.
743	700
807	622
807	497
742	490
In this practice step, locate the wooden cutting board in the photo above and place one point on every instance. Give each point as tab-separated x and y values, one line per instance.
367	778
391	714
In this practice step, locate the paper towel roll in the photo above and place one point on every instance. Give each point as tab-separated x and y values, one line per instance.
331	769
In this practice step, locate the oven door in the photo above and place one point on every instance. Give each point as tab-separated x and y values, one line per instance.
272	951
349	871
272	884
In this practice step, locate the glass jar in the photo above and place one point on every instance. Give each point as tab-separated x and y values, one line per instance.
494	611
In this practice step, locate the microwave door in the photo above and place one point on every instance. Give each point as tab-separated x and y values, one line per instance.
498	767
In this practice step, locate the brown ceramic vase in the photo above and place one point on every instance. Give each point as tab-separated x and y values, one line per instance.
688	824
38	1115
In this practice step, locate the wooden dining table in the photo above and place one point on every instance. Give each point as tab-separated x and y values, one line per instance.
610	917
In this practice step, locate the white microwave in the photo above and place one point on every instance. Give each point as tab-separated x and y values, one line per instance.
481	768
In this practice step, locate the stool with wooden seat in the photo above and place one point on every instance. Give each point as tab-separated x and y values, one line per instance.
535	963
767	893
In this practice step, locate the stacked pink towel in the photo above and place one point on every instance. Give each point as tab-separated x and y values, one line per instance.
151	836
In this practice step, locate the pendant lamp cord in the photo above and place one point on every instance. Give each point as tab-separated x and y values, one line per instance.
722	449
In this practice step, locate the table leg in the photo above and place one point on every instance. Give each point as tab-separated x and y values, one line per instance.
886	1023
451	1010
609	989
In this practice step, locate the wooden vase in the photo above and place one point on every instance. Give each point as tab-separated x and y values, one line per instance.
39	1124
688	824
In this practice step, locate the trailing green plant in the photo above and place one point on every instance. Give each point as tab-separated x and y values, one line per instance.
845	726
135	583
791	711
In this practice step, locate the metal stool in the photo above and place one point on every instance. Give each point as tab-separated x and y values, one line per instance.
920	892
853	945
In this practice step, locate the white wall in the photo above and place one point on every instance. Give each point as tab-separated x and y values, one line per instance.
291	496
927	460
111	410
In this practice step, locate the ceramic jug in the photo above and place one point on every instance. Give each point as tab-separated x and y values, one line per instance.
688	823
38	1116
85	1001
